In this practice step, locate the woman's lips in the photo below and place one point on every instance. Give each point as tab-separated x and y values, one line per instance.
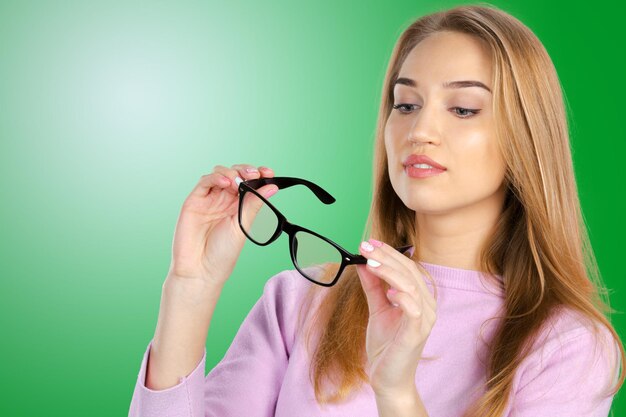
413	172
422	159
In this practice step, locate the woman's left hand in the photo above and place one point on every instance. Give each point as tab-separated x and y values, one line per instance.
395	336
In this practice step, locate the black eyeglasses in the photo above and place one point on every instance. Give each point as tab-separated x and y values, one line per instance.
309	250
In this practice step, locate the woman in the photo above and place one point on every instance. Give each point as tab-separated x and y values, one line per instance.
499	311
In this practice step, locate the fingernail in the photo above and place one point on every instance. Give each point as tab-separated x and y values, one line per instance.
390	293
373	263
252	170
238	180
376	243
366	246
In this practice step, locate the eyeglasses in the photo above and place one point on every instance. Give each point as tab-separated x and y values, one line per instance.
262	223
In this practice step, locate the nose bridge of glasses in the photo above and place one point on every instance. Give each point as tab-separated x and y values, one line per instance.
289	228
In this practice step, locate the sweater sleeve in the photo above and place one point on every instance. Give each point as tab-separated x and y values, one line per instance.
571	376
247	380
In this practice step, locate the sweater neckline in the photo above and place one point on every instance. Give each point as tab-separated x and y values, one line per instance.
463	279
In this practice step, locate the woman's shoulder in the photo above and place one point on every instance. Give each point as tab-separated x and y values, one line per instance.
574	358
572	337
567	324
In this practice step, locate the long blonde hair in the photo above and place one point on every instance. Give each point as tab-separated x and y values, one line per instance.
540	244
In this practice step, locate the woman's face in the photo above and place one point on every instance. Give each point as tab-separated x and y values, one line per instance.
452	126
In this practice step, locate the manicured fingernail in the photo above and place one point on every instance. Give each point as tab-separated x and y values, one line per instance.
238	180
366	246
373	263
376	243
390	293
252	170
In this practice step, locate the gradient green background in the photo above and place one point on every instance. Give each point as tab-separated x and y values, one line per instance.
111	111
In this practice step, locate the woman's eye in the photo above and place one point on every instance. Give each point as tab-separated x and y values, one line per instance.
462	112
466	113
402	106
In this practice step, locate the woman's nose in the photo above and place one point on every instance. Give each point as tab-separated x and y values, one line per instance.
425	128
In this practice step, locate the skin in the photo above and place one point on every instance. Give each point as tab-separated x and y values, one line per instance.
455	211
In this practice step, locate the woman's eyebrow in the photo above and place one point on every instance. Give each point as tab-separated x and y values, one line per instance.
448	84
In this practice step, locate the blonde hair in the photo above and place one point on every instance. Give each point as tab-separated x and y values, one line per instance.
539	245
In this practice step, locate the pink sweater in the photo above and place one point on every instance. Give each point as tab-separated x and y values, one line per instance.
264	373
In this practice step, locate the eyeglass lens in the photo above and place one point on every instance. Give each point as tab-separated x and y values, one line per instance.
311	252
257	218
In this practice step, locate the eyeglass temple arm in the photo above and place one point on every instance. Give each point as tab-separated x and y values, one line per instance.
286	182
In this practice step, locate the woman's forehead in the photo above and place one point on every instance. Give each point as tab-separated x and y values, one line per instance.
448	56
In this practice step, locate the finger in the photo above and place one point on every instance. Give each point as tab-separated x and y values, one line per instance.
207	182
396	275
414	320
389	255
419	293
407	303
374	290
266	190
243	171
398	278
266	172
246	171
229	173
392	253
396	282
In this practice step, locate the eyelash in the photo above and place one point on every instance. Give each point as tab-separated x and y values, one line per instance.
472	111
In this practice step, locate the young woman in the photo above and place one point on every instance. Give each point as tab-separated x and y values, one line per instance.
498	311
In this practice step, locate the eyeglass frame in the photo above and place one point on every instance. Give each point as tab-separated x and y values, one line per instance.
347	258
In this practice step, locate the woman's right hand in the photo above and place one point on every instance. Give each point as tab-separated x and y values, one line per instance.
208	238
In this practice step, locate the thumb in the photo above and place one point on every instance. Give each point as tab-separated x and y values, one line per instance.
373	288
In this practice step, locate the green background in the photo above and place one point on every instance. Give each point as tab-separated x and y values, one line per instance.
111	111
